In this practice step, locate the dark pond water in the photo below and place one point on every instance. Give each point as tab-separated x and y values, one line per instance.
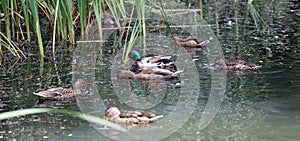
258	106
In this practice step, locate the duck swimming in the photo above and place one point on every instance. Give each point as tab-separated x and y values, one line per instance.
56	93
61	93
113	114
190	42
237	65
163	62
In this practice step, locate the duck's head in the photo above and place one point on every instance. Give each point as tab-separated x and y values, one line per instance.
81	87
135	55
111	112
176	38
125	74
218	63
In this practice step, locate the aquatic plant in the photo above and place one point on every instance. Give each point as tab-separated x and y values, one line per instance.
61	18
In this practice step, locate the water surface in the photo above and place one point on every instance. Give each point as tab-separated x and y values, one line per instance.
259	106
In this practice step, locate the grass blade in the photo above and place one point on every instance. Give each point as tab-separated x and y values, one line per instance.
33	7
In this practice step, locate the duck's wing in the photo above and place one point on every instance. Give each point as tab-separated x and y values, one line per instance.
56	93
156	59
50	93
159	71
202	43
147	120
147	114
235	62
136	113
131	113
189	38
252	65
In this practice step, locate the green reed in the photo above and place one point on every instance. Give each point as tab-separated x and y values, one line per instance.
5	6
97	6
116	10
249	1
27	20
8	44
24	19
83	12
34	11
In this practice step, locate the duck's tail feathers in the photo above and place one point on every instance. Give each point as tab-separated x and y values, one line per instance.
179	71
256	67
157	117
203	43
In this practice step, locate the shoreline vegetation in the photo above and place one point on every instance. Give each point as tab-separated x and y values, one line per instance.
49	21
25	21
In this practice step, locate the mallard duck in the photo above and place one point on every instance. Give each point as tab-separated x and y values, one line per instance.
60	92
190	42
113	114
164	62
148	74
56	93
237	65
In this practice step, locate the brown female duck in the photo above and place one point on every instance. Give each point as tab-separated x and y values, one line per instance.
190	42
237	65
113	114
56	93
148	74
62	93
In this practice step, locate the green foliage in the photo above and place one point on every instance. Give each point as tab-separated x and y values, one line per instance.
32	4
8	45
250	1
64	18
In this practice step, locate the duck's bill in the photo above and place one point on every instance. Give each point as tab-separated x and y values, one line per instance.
212	64
106	118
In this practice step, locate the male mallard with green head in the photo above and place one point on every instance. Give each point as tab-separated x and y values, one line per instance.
113	114
190	42
237	65
164	62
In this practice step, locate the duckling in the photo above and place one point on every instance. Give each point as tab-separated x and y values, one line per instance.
237	65
148	74
190	42
113	114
